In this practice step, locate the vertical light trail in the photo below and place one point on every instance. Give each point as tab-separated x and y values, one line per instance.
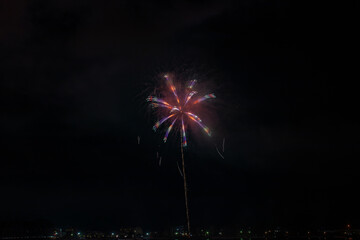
185	191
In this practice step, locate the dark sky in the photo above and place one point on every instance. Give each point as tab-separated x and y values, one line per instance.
74	78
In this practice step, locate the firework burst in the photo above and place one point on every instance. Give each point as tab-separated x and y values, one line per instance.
179	108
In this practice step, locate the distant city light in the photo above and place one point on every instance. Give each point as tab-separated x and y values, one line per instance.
55	234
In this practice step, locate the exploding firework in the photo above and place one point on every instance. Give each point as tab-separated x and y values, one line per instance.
179	109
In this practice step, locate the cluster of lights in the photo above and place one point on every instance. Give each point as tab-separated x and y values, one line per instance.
207	233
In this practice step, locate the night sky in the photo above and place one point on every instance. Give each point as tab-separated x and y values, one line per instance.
74	79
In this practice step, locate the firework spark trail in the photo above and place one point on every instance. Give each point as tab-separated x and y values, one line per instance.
172	87
190	96
155	105
156	100
174	109
160	161
138	139
205	128
191	84
169	129
158	123
184	142
194	116
179	169
219	153
211	95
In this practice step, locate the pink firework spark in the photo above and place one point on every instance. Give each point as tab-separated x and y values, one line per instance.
182	109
